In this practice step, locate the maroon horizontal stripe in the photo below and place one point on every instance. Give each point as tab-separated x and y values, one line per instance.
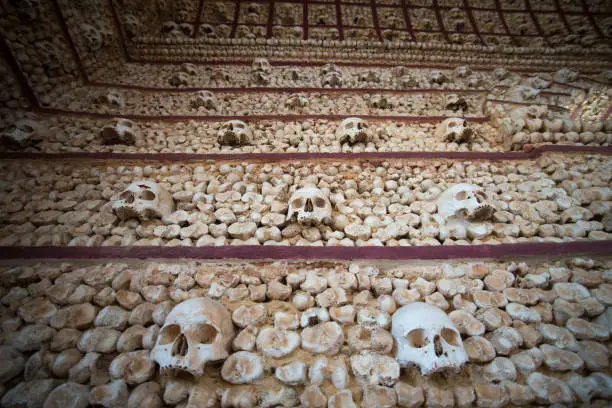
291	90
529	153
215	118
229	252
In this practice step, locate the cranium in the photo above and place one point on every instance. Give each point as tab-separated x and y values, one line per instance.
456	103
131	25
332	80
407	81
145	200
369	76
500	73
463	71
353	130
92	37
186	29
195	332
111	98
310	206
426	337
464	202
234	133
292	74
170	28
121	131
179	79
437	77
380	102
189	69
22	133
205	99
327	68
296	101
454	130
261	65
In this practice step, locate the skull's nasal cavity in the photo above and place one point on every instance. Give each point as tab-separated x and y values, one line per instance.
438	345
309	207
180	346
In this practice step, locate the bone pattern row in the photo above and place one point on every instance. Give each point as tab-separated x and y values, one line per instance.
299	334
553	199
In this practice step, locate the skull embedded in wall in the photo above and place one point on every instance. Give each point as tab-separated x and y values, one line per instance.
292	74
186	29
170	28
464	202
353	130
454	130
456	103
121	131
196	332
205	99
234	133
145	200
369	76
462	71
332	80
92	37
380	102
189	69
296	101
260	71
131	25
23	133
437	77
310	206
407	81
179	79
427	338
111	98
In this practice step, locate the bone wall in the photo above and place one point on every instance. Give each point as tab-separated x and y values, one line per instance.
307	334
553	199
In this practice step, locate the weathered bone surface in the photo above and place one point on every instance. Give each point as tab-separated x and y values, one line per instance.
196	332
144	200
426	337
121	131
310	207
235	132
353	130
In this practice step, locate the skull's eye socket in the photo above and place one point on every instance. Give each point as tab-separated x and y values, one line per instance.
147	195
450	336
349	125
417	339
203	333
298	202
462	195
127	196
168	334
319	202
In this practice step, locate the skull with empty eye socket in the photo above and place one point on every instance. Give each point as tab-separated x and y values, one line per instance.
196	331
464	202
310	206
353	130
234	133
454	130
427	338
145	200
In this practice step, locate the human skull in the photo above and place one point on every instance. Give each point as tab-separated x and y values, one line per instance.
170	28
261	65
205	99
407	81
143	199
22	133
179	79
234	133
454	130
327	68
196	331
332	80
189	69
465	202
186	29
456	103
310	206
380	102
353	130
463	71
121	131
92	37
437	77
427	338
369	76
296	101
292	74
131	25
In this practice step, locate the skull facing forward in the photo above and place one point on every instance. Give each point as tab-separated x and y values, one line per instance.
464	201
310	206
195	332
454	130
234	133
427	338
145	200
353	130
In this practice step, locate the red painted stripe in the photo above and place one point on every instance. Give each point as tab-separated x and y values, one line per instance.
227	252
215	118
265	157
